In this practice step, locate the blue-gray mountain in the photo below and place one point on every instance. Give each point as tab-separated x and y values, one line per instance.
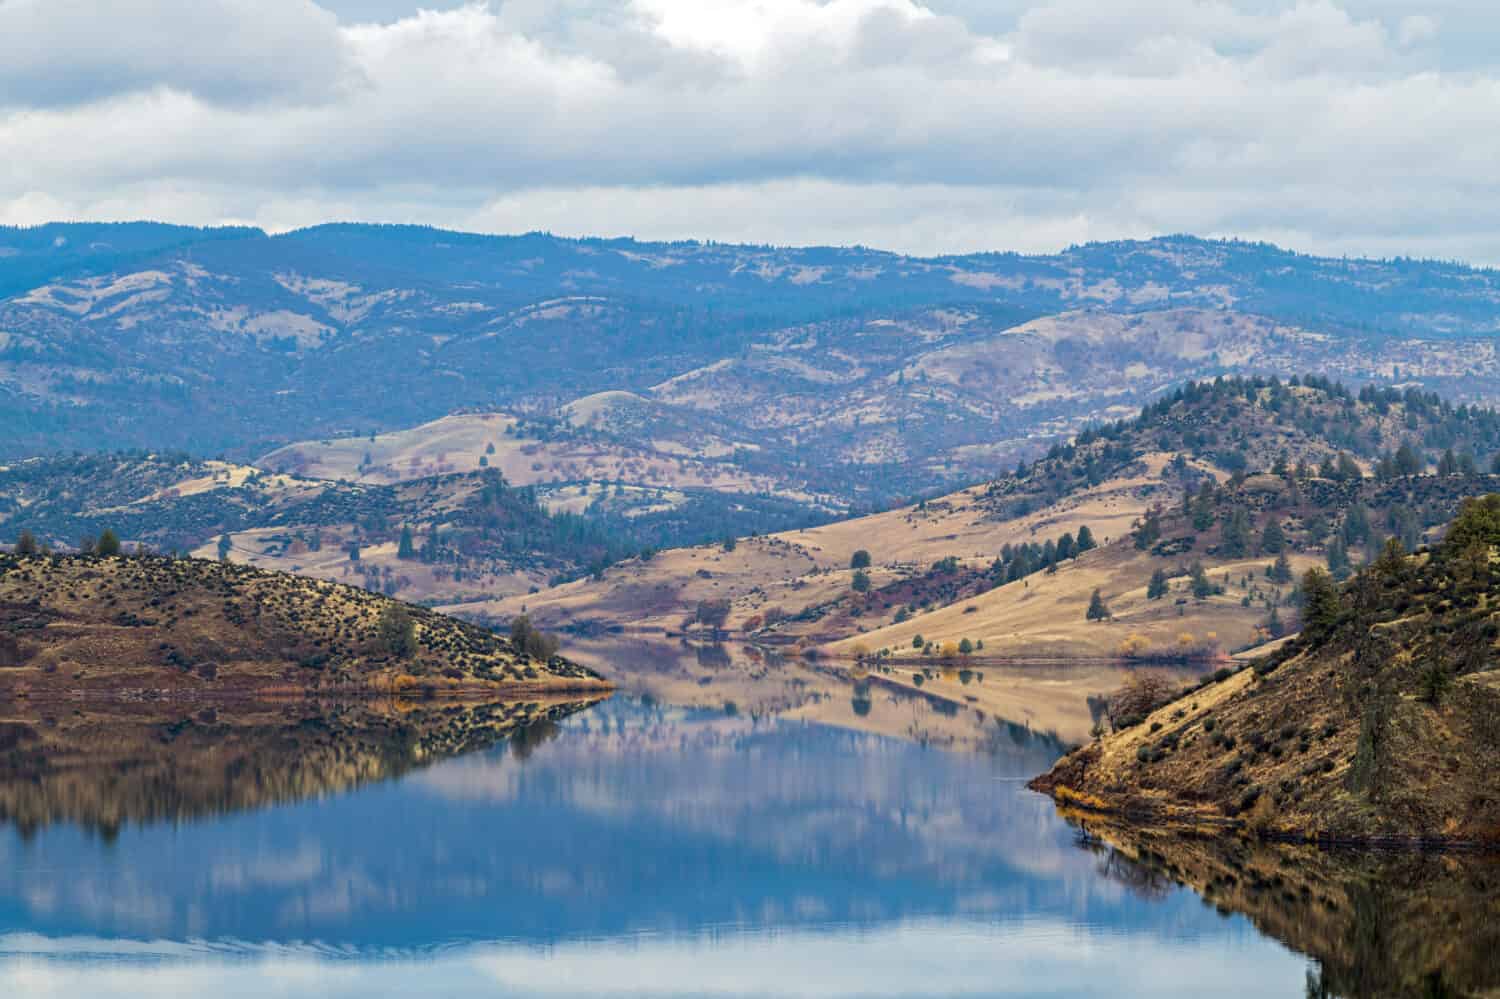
852	373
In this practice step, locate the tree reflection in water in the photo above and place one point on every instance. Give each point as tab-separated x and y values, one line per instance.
1375	923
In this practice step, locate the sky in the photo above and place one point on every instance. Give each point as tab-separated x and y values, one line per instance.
924	126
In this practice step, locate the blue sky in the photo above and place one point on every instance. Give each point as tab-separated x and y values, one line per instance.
922	125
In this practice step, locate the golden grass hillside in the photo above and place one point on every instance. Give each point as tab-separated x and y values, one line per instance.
1380	722
795	570
465	442
114	624
1045	614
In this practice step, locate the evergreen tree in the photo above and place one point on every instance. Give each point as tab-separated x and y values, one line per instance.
404	548
1321	604
861	581
1338	558
1281	570
1148	529
26	544
1203	507
1202	586
860	560
1158	586
1407	461
1085	539
109	543
1348	468
1235	542
1272	538
224	545
1098	609
1065	549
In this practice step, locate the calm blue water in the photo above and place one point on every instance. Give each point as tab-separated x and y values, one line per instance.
641	851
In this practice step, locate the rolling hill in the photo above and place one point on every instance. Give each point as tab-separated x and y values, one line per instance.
1377	723
114	625
847	378
947	569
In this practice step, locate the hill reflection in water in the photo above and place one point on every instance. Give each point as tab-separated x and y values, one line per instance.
627	849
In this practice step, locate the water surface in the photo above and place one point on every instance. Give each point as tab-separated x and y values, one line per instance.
626	849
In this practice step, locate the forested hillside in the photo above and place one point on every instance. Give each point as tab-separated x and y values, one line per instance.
864	377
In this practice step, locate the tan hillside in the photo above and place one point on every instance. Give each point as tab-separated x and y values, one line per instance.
801	569
1044	615
457	443
1378	723
112	624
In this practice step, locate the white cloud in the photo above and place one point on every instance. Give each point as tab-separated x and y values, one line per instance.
954	125
64	52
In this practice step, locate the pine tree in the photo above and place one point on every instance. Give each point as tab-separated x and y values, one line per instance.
1407	461
1281	570
1202	586
1203	507
404	548
1235	541
1338	558
1158	586
1065	549
109	543
1148	529
1321	604
26	544
1085	539
1272	538
1348	468
224	545
1098	609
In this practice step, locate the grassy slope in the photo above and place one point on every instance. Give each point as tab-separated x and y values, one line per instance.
108	624
456	443
805	568
1378	723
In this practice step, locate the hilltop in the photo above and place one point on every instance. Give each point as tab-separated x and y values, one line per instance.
847	379
441	536
1298	452
1376	723
116	625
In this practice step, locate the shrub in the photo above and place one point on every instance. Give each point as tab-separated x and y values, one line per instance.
397	632
527	639
1140	695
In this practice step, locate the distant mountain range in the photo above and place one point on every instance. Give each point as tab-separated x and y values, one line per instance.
850	376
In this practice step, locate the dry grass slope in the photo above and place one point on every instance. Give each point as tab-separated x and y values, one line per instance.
112	624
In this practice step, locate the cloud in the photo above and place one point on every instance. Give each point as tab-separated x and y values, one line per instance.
928	127
68	52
